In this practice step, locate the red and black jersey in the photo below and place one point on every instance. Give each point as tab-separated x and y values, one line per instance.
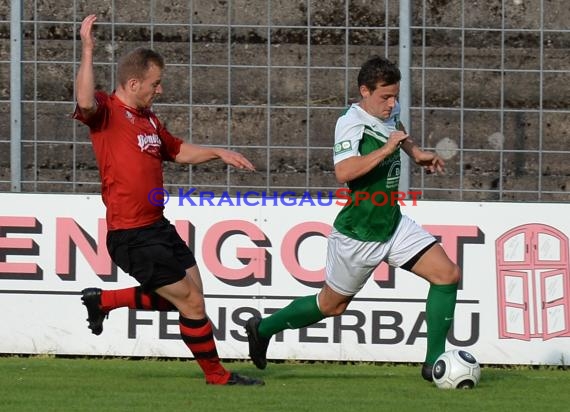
130	146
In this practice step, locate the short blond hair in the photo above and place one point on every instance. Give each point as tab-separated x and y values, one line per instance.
136	63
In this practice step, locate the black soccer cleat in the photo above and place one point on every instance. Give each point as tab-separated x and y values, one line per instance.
257	344
427	372
237	379
91	298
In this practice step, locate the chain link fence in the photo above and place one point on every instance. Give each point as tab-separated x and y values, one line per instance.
489	89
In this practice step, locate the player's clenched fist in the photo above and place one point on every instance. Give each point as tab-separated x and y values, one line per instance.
397	138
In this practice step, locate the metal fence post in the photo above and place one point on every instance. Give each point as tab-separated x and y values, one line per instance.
16	95
405	88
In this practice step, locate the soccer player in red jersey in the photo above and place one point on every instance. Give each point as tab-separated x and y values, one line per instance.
130	144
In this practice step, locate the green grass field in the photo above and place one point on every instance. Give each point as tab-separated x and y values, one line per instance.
66	384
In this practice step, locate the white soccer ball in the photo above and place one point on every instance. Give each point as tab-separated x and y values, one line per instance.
456	369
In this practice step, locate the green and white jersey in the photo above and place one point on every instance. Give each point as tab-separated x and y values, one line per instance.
358	133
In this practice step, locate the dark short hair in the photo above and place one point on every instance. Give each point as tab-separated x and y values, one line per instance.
136	63
378	70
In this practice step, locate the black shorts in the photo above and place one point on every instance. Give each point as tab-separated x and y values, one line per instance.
154	255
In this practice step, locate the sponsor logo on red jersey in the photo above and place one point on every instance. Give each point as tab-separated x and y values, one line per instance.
149	143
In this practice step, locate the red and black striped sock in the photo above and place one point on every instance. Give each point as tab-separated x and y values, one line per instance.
134	298
198	335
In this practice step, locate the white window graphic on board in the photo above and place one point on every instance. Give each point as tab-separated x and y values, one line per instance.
533	283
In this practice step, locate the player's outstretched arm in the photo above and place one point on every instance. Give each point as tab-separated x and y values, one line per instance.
196	154
428	160
85	81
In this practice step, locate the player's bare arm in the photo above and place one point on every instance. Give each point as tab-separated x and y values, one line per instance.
428	160
196	154
431	161
85	81
356	166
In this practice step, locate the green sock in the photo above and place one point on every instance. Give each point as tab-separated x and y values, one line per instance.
298	314
440	306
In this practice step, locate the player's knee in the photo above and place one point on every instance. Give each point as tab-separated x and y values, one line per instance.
454	275
449	276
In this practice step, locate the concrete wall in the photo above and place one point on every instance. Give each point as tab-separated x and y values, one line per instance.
452	108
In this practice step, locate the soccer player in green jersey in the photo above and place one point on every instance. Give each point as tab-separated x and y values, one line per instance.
368	139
